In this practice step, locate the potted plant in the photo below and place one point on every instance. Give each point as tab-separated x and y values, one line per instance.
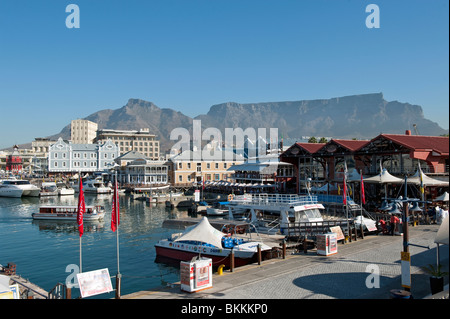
437	277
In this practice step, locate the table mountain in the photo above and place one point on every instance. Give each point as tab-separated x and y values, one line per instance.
358	116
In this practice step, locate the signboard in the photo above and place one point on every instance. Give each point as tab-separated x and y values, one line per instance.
94	282
197	195
338	231
406	269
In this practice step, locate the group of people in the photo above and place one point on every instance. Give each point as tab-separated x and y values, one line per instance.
435	215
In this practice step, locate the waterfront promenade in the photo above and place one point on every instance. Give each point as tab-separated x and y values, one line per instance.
309	276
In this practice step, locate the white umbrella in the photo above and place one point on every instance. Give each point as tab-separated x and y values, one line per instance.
443	198
442	234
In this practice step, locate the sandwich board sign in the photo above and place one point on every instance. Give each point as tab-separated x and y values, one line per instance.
94	282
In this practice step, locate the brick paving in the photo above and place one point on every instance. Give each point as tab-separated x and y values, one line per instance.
341	276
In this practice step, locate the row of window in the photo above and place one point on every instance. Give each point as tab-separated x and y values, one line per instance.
199	166
92	164
85	155
190	178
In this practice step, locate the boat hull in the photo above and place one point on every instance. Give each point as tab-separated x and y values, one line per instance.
67	216
185	252
15	193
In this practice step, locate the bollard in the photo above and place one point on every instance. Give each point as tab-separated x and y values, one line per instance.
231	260
259	254
220	269
118	283
284	249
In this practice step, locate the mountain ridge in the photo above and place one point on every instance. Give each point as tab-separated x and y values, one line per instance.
362	116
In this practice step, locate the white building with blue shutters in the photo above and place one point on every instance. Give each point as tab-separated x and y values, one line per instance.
73	158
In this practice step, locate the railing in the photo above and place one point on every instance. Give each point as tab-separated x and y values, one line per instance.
273	199
58	292
306	229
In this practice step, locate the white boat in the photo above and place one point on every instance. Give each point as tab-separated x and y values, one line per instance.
64	190
27	188
10	191
48	189
217	209
203	239
93	186
275	212
93	213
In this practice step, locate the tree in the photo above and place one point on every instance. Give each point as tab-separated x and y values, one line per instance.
323	140
312	139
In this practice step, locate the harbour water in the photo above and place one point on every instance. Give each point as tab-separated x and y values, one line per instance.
43	250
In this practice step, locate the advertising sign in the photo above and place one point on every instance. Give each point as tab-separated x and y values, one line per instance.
94	282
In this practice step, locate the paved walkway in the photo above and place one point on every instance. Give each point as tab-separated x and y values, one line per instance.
341	276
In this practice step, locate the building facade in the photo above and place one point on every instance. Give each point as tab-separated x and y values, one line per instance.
141	141
83	131
187	170
72	158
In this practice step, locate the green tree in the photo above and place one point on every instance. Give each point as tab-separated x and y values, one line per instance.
312	139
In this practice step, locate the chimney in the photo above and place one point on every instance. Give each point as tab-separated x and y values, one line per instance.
408	132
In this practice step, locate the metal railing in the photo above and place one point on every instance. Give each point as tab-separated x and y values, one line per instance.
273	199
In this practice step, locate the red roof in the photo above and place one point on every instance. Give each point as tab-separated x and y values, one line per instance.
438	144
351	145
311	147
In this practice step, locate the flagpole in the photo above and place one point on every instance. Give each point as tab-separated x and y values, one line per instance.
117	223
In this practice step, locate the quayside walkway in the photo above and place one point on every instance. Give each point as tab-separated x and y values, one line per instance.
310	276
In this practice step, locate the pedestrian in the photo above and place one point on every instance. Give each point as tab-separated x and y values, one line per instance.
394	224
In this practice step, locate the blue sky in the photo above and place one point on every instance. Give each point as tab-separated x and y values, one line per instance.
190	54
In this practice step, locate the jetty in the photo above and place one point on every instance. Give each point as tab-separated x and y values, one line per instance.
309	275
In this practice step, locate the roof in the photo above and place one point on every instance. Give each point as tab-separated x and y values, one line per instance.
351	145
439	144
311	147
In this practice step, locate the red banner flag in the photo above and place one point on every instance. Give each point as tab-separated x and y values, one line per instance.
81	209
115	217
344	192
363	196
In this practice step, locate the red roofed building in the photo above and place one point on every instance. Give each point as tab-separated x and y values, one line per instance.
14	161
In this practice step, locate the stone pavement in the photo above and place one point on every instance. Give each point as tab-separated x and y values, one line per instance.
341	276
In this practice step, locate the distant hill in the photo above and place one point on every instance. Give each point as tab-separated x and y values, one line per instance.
358	116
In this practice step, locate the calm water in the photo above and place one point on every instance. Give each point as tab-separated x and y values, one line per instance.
43	249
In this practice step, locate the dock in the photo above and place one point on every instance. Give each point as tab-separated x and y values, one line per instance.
308	275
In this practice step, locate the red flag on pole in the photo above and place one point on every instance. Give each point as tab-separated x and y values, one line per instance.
363	197
81	209
344	192
115	217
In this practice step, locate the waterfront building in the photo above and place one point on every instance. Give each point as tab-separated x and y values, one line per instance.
263	170
83	131
132	140
143	171
400	154
14	161
67	157
190	167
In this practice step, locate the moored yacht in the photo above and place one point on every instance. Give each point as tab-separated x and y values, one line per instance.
27	188
7	190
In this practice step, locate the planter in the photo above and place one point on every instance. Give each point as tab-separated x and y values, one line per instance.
436	284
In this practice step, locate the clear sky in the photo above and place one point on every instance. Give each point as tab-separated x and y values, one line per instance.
190	54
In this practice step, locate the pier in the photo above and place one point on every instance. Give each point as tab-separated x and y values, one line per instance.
308	275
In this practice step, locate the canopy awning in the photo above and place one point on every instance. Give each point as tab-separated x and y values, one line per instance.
203	232
443	198
383	178
427	181
442	234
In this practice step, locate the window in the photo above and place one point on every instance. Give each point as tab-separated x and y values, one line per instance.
189	165
225	165
208	165
180	178
217	165
180	165
216	177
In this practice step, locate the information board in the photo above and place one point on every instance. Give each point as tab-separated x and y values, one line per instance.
94	282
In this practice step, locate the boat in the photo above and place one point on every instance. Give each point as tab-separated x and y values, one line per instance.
7	190
203	239
27	188
94	186
92	213
273	213
217	209
48	189
64	190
